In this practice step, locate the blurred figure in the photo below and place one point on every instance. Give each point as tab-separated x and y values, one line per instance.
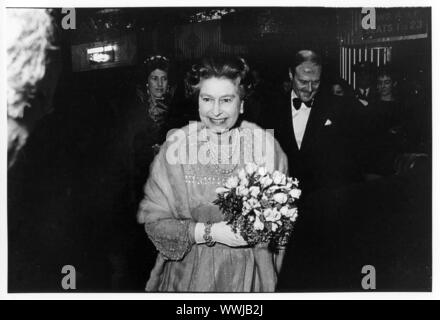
146	123
389	110
340	88
418	122
185	104
143	130
257	94
385	121
337	90
365	82
385	85
30	82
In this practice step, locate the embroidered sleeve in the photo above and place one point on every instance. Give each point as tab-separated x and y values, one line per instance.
172	238
171	233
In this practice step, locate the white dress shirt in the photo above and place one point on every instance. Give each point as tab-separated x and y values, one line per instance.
299	119
364	93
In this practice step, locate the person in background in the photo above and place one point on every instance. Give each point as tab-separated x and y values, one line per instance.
385	121
390	108
146	123
339	87
418	123
141	131
365	91
256	94
185	104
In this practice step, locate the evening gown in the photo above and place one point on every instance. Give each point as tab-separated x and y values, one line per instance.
172	195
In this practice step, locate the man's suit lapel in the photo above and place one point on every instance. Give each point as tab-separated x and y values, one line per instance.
288	124
314	124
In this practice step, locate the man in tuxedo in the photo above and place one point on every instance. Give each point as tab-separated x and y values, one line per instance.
365	91
318	133
316	130
345	223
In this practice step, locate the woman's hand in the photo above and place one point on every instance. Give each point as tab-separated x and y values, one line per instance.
222	233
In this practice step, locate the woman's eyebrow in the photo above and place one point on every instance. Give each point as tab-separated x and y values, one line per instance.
206	95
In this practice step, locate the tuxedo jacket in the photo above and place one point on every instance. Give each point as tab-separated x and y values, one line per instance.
328	155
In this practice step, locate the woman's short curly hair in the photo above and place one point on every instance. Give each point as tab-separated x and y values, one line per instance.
232	68
29	38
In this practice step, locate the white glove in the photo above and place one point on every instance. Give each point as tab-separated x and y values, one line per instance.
220	232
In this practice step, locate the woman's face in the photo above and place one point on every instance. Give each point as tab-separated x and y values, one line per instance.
385	86
219	103
158	83
337	90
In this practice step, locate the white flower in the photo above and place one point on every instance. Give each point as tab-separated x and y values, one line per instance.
284	210
232	182
242	174
295	193
266	181
274	227
262	171
258	225
251	218
291	213
278	177
251	204
280	197
272	214
255	191
251	168
293	218
242	191
221	190
244	182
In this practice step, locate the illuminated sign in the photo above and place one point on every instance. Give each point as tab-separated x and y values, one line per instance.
111	53
103	54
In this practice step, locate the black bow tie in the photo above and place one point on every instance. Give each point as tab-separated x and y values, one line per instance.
297	103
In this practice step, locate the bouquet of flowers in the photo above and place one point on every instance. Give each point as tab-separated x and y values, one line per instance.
260	205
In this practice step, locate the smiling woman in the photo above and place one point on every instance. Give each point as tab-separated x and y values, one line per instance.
198	251
219	104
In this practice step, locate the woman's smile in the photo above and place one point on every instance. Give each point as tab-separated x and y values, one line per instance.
218	121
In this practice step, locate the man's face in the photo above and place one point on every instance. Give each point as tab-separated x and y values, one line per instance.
306	80
364	79
385	86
